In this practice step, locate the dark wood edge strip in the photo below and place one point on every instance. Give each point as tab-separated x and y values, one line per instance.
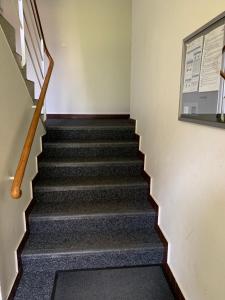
54	285
222	74
166	269
173	283
87	116
178	295
20	250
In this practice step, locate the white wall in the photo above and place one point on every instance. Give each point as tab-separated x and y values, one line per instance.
90	43
186	161
15	116
8	8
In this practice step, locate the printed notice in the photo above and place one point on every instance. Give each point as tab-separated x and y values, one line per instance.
193	65
212	60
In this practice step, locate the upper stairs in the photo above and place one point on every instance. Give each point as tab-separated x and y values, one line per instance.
91	205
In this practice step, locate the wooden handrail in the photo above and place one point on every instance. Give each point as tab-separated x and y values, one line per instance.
222	73
20	171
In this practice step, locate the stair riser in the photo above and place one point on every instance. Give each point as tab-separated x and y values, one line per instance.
119	193
130	169
35	286
81	224
90	134
82	152
103	259
92	207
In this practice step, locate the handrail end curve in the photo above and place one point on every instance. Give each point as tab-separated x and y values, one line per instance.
16	193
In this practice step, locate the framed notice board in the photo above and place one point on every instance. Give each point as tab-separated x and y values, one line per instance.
202	88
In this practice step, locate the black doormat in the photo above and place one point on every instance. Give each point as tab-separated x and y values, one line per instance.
142	283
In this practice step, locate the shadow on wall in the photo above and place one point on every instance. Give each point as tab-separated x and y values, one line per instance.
91	43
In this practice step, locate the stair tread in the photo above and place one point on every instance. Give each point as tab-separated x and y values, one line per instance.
91	241
71	208
86	182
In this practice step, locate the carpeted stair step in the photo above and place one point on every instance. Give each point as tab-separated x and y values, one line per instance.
89	207
84	149
104	222
90	167
95	188
143	283
92	249
68	130
35	286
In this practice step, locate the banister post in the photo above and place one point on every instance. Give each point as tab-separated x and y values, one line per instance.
22	33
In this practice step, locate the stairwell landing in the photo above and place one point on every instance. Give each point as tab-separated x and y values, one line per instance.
91	207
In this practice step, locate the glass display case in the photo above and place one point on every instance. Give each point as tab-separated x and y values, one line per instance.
203	75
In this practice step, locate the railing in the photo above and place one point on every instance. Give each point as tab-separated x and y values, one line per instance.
222	95
222	74
39	52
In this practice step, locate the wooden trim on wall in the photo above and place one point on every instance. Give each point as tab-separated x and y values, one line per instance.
166	268
19	252
178	295
88	116
173	283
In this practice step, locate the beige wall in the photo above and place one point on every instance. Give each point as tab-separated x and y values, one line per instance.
90	42
15	116
186	161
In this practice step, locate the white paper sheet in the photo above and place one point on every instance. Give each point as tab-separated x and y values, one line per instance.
193	65
212	60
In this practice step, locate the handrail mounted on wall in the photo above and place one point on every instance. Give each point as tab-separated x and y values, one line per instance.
16	191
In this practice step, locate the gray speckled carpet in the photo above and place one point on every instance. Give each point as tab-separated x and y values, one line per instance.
92	211
144	283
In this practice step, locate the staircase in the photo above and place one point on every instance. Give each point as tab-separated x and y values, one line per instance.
90	210
91	206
